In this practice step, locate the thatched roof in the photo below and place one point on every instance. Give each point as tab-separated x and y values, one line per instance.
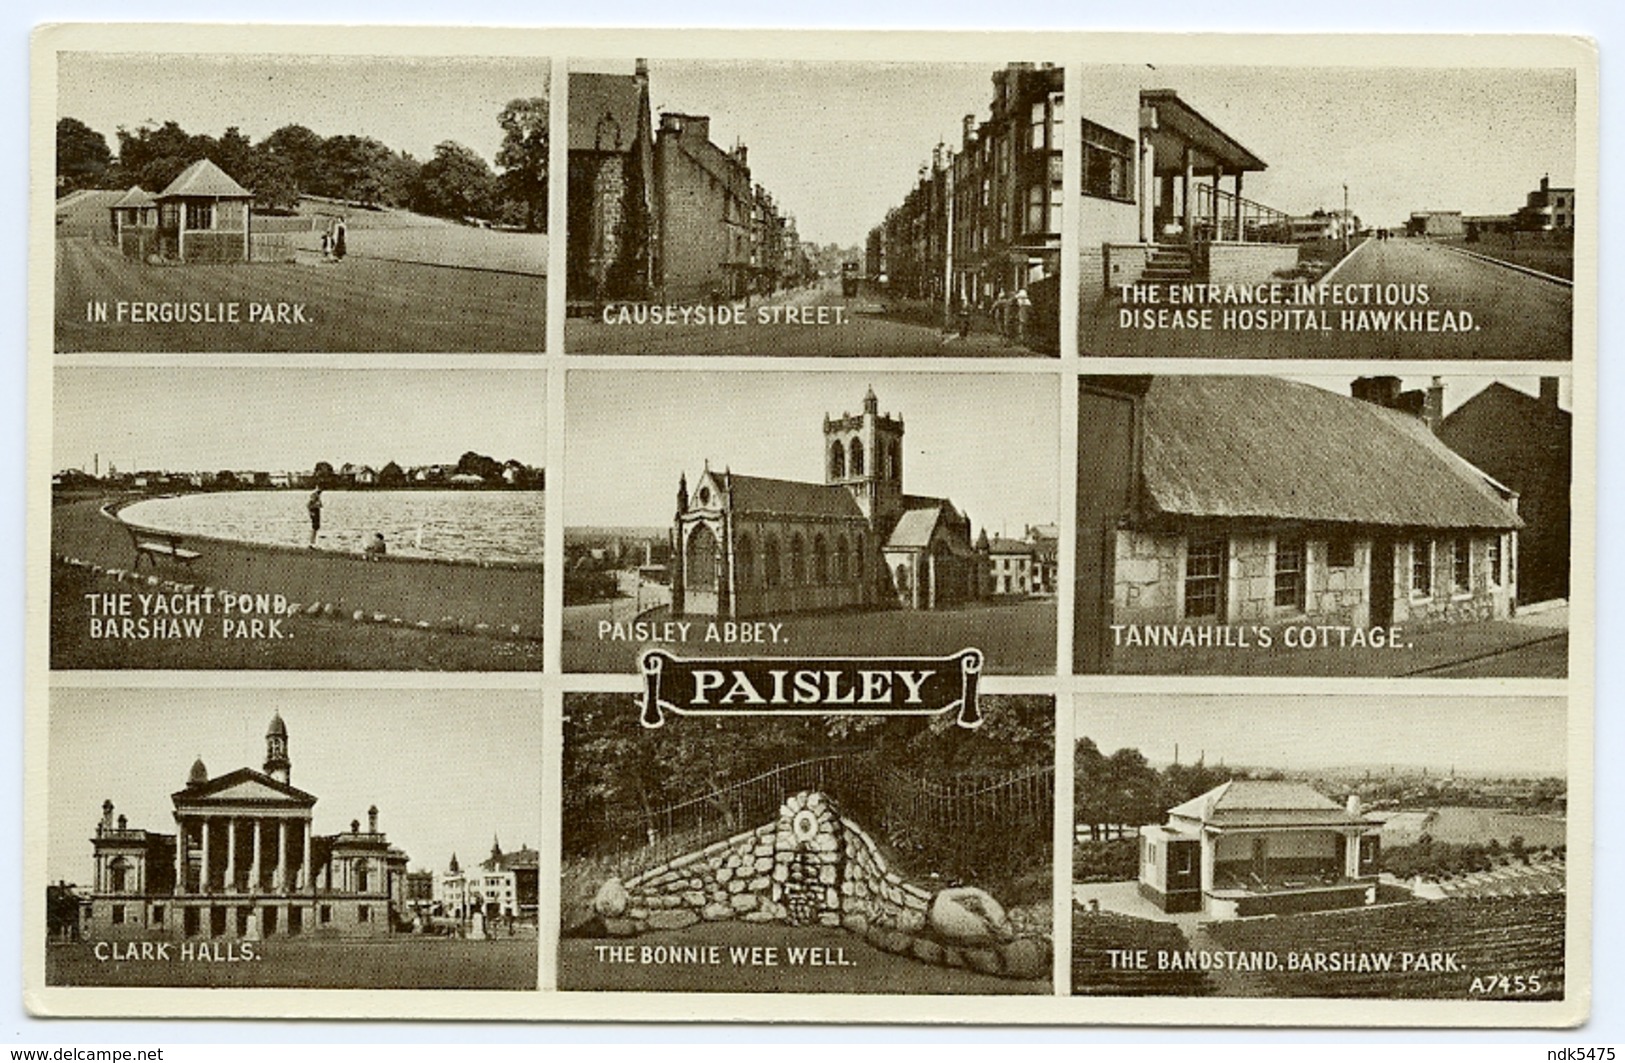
1265	448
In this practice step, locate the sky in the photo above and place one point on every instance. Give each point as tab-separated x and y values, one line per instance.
191	419
1487	735
987	442
409	103
1404	139
837	144
1458	388
446	768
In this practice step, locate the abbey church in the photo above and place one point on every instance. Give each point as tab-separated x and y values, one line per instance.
746	546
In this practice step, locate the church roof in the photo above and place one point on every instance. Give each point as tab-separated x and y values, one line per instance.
244	784
1267	448
204	178
1260	802
759	494
597	97
919	522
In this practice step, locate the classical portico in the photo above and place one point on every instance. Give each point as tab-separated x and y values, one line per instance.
244	862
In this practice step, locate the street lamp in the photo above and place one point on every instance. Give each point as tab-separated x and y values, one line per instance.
1345	217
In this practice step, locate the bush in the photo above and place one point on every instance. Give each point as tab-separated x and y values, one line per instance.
1109	861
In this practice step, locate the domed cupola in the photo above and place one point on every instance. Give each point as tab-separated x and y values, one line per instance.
198	775
277	765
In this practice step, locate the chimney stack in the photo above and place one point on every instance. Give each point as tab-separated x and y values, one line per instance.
1433	409
372	819
1353	806
640	70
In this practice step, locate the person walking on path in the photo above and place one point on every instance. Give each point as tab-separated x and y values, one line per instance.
339	247
314	505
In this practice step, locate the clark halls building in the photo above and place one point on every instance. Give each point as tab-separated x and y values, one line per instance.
746	546
245	862
1212	500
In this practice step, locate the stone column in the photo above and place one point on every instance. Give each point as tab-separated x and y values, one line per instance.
231	854
203	875
279	872
1351	856
1148	191
1239	235
254	861
1186	211
305	881
180	855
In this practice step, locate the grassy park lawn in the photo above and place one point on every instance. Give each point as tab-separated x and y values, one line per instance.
359	304
311	644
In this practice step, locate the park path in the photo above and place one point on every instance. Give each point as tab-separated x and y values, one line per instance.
415	590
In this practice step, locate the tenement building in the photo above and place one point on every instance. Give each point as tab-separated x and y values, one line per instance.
984	221
245	861
747	546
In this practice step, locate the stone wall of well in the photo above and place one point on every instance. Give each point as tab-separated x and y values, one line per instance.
812	866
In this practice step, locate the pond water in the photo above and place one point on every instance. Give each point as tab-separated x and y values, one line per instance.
461	525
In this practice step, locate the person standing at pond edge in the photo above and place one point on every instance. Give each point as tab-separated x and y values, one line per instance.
314	505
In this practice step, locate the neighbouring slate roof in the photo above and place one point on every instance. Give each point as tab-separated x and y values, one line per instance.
135	197
759	494
1258	802
204	178
593	97
1263	447
1010	546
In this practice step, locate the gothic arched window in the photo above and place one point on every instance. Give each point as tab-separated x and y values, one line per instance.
798	560
837	461
855	458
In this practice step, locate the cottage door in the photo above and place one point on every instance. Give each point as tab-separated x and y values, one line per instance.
1382	583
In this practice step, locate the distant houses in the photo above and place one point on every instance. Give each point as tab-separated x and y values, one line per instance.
509	475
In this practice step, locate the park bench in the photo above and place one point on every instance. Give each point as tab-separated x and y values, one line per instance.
154	544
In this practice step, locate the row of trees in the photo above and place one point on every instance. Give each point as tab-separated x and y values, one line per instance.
1124	790
294	161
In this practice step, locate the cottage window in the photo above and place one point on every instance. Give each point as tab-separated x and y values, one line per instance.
1461	566
1186	863
200	215
1340	553
1422	568
1204	578
1289	573
1493	556
1108	163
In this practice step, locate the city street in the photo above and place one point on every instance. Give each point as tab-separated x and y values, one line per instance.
1515	315
854	327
